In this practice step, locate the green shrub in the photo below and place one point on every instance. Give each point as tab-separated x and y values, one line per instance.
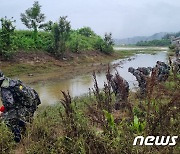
86	31
78	42
105	45
24	40
6	139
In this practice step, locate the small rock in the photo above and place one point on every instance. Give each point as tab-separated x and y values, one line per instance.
30	75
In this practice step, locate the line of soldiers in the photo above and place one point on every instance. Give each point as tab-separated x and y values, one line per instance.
142	74
19	104
120	86
177	66
162	70
177	61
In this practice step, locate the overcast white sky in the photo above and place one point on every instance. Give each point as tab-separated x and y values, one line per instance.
124	18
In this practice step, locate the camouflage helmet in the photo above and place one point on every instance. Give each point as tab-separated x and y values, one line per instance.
1	76
158	62
131	69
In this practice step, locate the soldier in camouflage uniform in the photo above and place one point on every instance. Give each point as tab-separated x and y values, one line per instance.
177	65
145	70
177	53
120	88
20	103
141	77
163	71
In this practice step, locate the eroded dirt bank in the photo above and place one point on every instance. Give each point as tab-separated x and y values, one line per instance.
40	66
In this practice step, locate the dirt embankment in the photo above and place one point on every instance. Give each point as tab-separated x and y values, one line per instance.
38	66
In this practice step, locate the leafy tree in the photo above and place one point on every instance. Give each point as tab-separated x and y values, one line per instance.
61	32
105	45
33	18
6	37
48	26
56	38
86	31
108	39
64	29
74	42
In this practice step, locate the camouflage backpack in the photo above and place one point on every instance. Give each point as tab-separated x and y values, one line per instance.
14	93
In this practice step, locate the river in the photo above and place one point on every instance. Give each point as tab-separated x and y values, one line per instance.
50	91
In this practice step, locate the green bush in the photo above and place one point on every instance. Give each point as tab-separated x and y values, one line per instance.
6	139
86	31
78	42
25	40
105	45
102	46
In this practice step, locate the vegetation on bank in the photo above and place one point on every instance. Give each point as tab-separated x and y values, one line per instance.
90	124
37	63
159	43
165	41
54	37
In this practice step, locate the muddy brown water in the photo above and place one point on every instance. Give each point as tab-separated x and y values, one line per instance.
50	91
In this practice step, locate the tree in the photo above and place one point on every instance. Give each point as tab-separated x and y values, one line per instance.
33	18
108	39
61	31
86	31
64	29
48	26
75	41
105	45
6	37
56	38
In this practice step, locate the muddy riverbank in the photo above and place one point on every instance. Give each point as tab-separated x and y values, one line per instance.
40	66
49	76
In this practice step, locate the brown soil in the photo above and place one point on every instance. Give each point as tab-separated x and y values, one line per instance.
38	66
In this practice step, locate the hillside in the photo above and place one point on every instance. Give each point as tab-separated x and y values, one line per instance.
134	40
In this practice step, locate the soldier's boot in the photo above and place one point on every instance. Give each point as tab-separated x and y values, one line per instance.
117	106
17	134
22	124
143	93
17	138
